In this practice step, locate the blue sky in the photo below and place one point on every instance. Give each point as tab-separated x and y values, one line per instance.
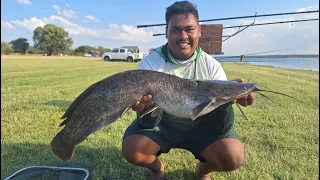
114	23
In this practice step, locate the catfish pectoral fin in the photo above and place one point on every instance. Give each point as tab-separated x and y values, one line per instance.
125	110
197	111
148	111
242	111
155	112
60	148
63	123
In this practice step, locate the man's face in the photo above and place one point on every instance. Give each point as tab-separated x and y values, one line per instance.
183	32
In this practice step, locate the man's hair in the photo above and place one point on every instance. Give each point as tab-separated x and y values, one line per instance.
181	7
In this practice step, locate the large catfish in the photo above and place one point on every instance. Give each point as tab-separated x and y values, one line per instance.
107	100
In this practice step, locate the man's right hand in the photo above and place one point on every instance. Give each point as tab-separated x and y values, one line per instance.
145	102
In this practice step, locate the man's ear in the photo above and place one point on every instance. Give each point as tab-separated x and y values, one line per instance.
199	30
166	32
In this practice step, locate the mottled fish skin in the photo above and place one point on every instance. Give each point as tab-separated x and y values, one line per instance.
105	101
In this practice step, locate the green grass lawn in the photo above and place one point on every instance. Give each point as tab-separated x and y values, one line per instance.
281	140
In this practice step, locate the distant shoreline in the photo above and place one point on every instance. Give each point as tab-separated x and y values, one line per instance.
275	56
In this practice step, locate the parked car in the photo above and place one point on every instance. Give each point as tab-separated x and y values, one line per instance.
122	54
87	55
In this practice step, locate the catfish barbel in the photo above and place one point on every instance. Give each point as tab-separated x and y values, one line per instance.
105	101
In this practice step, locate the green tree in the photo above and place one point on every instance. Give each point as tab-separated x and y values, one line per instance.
33	50
6	48
103	50
19	45
84	49
70	52
52	39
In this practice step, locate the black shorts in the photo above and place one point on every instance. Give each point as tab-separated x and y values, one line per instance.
217	125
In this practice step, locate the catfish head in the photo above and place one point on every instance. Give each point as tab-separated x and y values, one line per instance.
219	93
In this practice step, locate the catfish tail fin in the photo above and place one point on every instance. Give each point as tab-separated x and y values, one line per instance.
61	149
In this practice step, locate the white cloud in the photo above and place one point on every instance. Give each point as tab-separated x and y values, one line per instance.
61	21
301	9
315	48
24	2
7	25
89	18
56	7
67	5
308	8
31	24
258	37
83	31
114	32
69	14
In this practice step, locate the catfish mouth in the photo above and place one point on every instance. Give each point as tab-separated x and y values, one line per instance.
253	88
244	94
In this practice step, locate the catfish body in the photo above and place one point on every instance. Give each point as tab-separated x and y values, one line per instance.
107	100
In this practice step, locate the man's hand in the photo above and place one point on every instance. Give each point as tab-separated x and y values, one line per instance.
145	102
248	100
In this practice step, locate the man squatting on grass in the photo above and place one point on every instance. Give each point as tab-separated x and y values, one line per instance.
210	138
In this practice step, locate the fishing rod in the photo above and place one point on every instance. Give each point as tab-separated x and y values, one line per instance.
265	52
239	17
254	20
252	54
279	22
259	24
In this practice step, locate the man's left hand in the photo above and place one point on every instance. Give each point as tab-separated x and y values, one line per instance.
244	101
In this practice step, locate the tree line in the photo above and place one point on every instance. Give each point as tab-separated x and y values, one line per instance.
50	40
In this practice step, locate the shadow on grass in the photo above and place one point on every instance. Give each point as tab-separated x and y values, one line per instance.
59	103
102	163
185	174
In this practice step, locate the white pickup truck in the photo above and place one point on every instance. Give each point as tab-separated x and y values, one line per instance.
122	54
